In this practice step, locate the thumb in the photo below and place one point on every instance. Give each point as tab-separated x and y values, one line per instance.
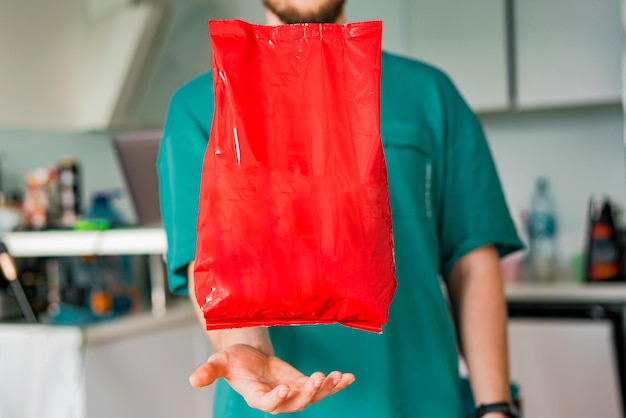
208	373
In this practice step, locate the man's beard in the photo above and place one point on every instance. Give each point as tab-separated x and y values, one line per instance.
327	12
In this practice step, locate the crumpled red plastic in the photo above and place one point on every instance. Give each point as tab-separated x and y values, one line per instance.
294	223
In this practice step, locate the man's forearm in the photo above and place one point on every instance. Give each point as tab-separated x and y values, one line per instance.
257	337
480	311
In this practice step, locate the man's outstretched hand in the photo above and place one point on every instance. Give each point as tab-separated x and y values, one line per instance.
266	382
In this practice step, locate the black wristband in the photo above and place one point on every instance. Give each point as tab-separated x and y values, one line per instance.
500	407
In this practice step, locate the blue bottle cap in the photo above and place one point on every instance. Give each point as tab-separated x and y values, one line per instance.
541	184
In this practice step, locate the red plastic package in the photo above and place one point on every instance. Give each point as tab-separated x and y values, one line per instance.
294	223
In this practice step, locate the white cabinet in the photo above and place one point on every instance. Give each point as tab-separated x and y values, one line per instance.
568	52
136	366
41	372
146	375
467	39
565	369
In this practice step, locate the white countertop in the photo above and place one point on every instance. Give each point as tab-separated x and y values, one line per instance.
153	241
566	292
72	243
181	313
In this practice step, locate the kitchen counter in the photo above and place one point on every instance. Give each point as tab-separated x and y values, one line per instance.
178	315
124	241
136	365
596	302
566	292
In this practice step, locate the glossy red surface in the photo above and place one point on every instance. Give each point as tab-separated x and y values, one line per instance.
295	224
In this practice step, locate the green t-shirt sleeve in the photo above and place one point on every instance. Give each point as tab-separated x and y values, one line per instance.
474	210
179	166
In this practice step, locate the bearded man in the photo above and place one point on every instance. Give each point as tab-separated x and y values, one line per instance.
451	224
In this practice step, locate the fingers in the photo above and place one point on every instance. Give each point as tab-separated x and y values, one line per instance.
328	386
346	380
333	383
297	398
269	401
208	373
291	392
316	388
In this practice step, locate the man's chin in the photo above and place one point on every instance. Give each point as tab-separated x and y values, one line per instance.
328	11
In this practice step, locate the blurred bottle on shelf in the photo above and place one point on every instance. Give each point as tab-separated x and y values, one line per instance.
36	205
102	208
541	226
604	252
69	191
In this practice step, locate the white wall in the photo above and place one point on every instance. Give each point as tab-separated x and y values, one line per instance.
580	151
59	70
40	42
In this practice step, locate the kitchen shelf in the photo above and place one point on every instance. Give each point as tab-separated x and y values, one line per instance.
76	243
566	292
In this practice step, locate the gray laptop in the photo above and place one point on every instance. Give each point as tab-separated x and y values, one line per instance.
137	154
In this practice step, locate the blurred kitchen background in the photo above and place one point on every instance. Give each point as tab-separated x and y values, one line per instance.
547	86
544	76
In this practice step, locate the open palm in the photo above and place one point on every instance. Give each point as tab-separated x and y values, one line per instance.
266	382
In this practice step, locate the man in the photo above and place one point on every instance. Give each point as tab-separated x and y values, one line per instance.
450	221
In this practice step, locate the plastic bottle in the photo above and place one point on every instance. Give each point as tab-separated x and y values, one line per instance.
604	252
102	208
69	190
541	228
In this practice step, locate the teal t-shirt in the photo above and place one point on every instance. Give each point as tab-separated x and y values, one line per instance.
446	201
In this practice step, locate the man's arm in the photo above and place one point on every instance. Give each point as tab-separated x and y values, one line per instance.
479	308
256	337
245	359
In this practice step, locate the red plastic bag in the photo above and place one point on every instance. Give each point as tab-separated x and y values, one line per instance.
294	224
